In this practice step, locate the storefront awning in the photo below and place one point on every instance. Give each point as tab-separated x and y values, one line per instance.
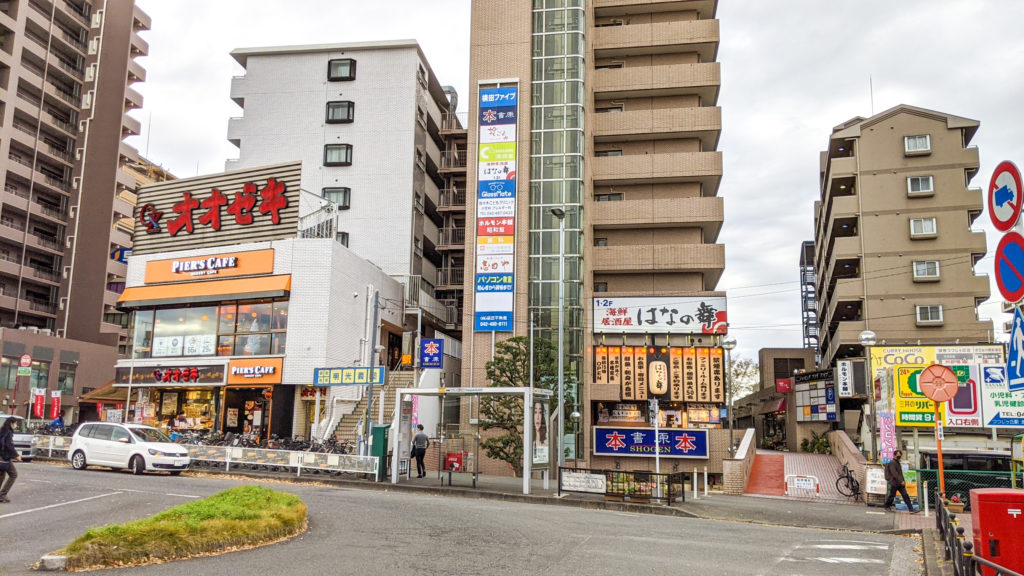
206	291
773	406
106	393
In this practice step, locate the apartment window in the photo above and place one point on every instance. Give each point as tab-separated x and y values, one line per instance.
600	241
923	227
600	286
926	270
338	155
920	185
929	314
339	195
9	371
341	69
66	377
919	144
616	197
607	153
341	112
421	117
343	238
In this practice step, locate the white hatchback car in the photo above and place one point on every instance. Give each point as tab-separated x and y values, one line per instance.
132	446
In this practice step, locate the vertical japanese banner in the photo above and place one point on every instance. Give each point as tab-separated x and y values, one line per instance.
886	436
494	296
600	365
615	366
676	376
690	374
38	402
640	371
628	382
717	375
703	375
54	404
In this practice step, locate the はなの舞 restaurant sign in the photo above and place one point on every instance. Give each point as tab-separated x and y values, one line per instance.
253	205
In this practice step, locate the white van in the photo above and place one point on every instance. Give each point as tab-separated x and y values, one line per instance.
22	437
132	446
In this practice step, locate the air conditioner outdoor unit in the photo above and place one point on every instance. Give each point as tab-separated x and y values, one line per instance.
46	332
33	329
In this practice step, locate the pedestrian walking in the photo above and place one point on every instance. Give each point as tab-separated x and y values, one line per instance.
894	476
419	450
8	456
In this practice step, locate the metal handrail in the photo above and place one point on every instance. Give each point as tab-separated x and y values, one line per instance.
958	549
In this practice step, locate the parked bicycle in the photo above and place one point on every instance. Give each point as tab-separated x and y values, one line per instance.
847	484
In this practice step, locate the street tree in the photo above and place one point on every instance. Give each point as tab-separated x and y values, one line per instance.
504	414
744	377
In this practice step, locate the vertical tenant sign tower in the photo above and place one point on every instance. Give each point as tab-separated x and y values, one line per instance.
593	131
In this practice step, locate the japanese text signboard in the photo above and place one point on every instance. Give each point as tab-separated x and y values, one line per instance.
670	443
497	154
432	353
815	396
668	315
1001	407
243	206
675	374
912	407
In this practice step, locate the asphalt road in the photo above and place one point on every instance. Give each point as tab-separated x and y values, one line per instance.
353	531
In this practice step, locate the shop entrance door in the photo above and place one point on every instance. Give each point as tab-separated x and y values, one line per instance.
246	411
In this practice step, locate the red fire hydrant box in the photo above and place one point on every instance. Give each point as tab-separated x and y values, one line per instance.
997	519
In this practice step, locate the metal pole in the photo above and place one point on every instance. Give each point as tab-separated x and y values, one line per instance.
527	422
561	342
657	435
872	405
367	423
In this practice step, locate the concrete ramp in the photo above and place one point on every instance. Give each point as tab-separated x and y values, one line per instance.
768	477
818	473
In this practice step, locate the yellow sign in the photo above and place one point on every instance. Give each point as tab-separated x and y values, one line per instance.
912	407
354	376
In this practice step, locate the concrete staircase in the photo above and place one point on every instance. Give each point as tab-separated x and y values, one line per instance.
347	426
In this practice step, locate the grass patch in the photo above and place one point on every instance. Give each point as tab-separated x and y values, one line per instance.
243	516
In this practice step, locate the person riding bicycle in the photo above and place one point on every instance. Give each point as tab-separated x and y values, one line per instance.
58	423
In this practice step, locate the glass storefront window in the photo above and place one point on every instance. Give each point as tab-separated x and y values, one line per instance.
225	345
280	318
279	342
8	372
210	330
66	377
252	345
40	374
254	317
228	313
142	333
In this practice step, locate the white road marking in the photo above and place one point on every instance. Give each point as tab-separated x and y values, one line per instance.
838	560
58	505
183	495
850	546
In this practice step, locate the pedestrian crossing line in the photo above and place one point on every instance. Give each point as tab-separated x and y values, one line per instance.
842	560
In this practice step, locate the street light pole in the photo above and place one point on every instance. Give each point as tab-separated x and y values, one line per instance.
560	214
867	340
729	342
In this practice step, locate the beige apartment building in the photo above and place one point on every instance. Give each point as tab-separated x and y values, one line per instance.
616	151
66	69
895	243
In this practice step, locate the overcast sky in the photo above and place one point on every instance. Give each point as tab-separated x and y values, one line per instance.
791	70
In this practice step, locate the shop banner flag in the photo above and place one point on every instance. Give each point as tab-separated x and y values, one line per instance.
38	402
54	404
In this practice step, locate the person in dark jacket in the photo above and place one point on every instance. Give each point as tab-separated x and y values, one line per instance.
894	476
8	455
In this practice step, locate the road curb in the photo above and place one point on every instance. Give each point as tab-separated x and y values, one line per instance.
52	563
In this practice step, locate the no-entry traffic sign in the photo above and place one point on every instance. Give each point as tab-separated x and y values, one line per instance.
1010	267
1004	196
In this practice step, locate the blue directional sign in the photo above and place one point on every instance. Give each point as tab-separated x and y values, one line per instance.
1004	196
671	442
431	353
1010	267
1015	358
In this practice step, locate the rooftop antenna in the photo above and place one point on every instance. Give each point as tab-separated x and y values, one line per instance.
871	88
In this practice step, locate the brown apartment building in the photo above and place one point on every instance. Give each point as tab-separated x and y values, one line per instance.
895	247
66	67
616	132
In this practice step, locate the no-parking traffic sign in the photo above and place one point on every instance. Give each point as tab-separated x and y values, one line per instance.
1004	196
1010	267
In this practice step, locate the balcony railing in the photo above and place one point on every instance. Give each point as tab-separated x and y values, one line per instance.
19	160
42	306
51	243
12	189
44	274
453	159
12	225
452	197
53	212
450	276
453	236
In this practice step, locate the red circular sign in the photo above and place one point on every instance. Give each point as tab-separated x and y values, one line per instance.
1009	267
1004	196
938	383
26	361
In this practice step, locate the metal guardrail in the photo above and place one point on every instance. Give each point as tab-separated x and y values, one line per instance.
959	549
634	486
236	458
960	482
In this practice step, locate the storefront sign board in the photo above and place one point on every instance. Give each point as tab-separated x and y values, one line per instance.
176	374
671	443
663	315
351	376
255	371
584	482
912	407
224	265
1000	407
